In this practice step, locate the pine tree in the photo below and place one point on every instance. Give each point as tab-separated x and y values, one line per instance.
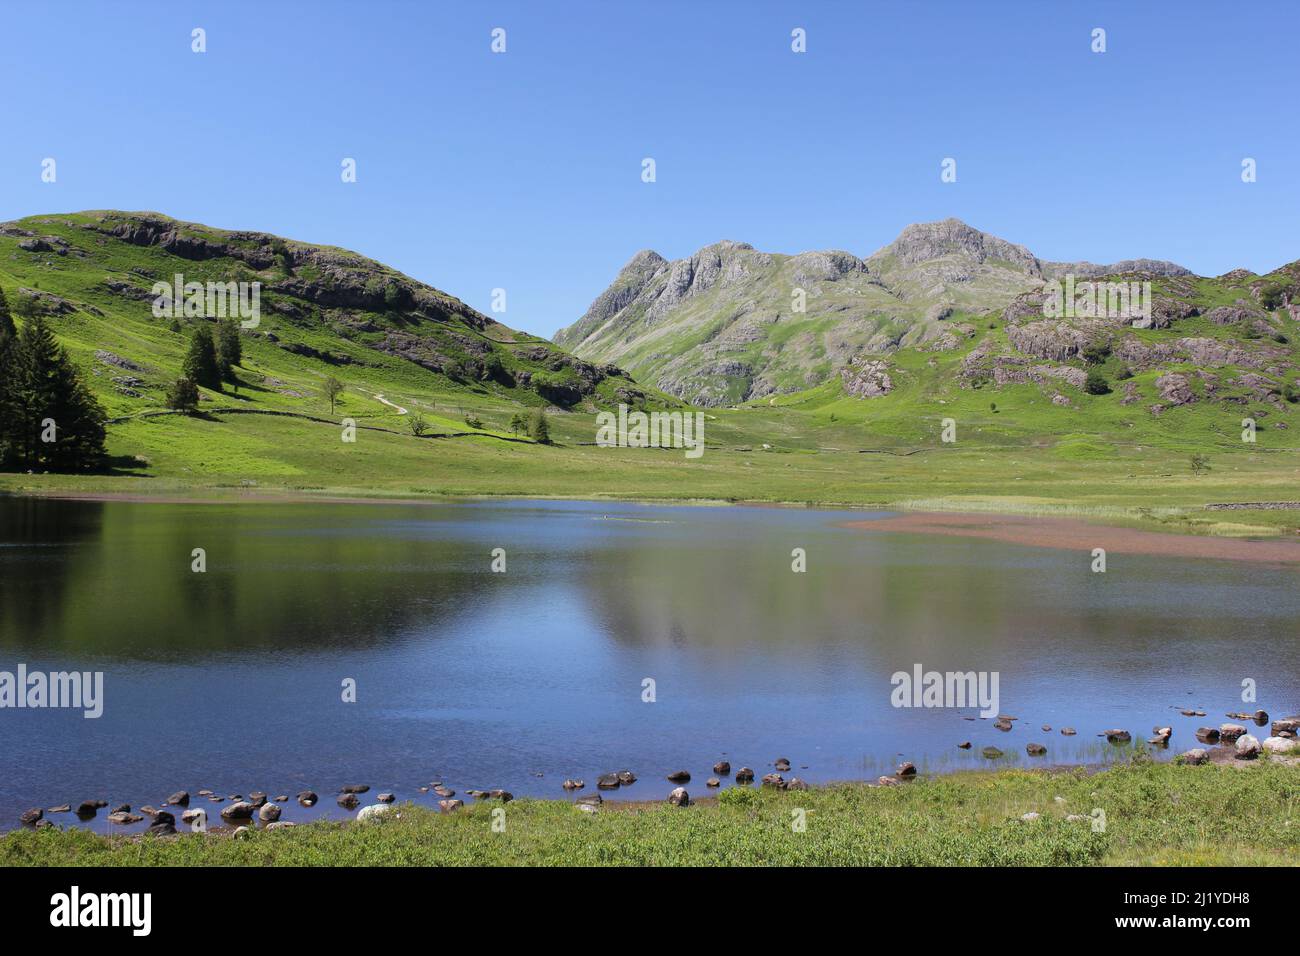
8	369
201	360
229	350
539	429
183	396
57	423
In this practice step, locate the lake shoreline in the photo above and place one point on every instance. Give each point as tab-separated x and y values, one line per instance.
1009	526
1076	534
1041	817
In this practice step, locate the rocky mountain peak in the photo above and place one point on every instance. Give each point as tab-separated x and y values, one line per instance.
926	241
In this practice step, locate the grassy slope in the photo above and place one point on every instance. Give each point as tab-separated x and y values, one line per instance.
1099	458
1155	814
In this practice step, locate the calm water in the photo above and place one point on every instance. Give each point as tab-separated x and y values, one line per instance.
231	680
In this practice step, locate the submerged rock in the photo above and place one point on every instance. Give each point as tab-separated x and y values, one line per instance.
1116	736
1035	750
991	753
680	776
964	745
713	782
782	763
573	784
1068	731
348	801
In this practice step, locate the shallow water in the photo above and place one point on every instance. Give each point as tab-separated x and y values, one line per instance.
232	679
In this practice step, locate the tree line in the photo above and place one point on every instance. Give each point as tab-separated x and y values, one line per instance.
49	420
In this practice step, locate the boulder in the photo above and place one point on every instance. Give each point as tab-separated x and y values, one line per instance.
1207	735
782	764
374	812
241	810
626	778
279	825
796	784
1279	745
991	753
906	770
268	812
193	816
774	780
61	808
348	801
1162	735
1068	731
444	792
385	797
1231	731
257	798
679	797
1035	750
607	781
713	782
964	745
680	776
355	788
308	798
448	806
181	798
123	817
590	800
722	768
888	781
744	775
1247	747
1116	736
573	784
31	817
1003	725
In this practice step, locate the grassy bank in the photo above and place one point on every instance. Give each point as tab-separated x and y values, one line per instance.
248	455
1154	814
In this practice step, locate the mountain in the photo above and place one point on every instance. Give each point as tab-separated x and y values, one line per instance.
324	312
724	325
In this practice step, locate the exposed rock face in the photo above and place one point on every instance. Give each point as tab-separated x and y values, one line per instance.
869	380
731	323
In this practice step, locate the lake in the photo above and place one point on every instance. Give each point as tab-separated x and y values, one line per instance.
232	679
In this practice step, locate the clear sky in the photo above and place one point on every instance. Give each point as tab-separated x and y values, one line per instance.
522	170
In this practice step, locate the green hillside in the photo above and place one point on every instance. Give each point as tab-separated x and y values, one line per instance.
1029	438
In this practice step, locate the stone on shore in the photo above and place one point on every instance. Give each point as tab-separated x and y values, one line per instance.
1247	747
774	780
1193	757
242	810
268	812
375	812
448	806
385	797
31	817
1279	745
907	769
679	797
796	784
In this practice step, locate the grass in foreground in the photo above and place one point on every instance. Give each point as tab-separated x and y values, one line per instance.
1157	814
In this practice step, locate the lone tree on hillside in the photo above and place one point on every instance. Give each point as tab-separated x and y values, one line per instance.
331	388
539	429
201	366
183	396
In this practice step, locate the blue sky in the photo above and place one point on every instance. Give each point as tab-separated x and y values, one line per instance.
523	170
